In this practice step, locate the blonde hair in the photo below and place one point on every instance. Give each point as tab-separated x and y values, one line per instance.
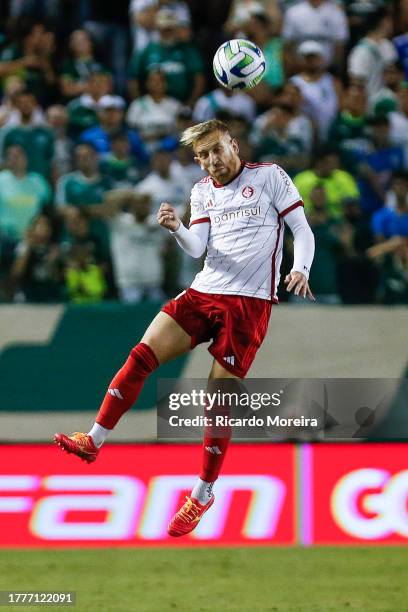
191	135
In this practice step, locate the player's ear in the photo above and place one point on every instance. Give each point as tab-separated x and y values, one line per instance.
235	145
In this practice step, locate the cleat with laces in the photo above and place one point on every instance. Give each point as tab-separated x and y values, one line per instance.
79	444
188	517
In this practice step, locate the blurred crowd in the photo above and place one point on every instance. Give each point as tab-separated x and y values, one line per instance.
94	96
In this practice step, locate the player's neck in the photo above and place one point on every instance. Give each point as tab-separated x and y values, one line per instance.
231	177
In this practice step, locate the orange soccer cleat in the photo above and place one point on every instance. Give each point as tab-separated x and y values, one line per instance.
188	517
79	444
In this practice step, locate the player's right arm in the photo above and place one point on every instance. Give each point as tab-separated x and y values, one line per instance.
194	239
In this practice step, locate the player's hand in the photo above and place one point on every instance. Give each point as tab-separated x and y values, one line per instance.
297	282
167	217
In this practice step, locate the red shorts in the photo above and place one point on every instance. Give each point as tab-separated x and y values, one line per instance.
237	325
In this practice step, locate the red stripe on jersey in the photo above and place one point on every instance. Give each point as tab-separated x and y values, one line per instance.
290	208
206	179
274	261
202	220
259	165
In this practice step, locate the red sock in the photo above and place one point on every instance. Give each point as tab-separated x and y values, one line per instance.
126	385
215	445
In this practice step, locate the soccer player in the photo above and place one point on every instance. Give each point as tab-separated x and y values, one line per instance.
237	214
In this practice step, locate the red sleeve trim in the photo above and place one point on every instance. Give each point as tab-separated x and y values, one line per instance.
290	208
202	220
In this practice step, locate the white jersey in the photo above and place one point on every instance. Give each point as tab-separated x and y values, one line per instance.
244	250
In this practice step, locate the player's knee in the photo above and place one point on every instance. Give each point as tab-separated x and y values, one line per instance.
144	358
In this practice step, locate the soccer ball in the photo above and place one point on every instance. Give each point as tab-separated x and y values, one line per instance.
239	64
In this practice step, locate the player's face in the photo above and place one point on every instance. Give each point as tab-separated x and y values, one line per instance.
217	154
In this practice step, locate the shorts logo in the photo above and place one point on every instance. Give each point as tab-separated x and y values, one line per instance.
230	359
248	191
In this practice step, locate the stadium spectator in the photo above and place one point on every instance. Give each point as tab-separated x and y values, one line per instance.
349	131
25	109
353	264
85	187
359	225
180	62
242	10
36	272
136	247
78	231
32	134
184	119
401	42
111	115
120	166
266	34
275	141
326	230
388	222
338	183
300	124
182	11
221	99
372	53
160	185
398	194
57	120
359	12
352	267
154	115
185	170
143	17
23	195
32	57
391	257
399	121
9	114
321	20
386	99
85	281
79	66
143	23
108	24
319	89
82	110
377	164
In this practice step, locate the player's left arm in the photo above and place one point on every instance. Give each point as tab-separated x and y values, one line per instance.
304	245
289	207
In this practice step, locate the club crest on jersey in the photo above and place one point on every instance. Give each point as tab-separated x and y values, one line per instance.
248	191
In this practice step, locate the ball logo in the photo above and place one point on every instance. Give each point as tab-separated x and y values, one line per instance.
248	191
